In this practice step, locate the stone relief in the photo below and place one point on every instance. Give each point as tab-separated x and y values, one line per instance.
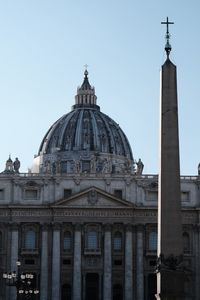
77	166
92	261
92	197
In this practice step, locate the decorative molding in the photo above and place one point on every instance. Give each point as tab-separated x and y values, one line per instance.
77	180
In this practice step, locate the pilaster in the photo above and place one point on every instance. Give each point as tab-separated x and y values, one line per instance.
56	262
107	280
77	287
140	263
44	264
14	255
129	263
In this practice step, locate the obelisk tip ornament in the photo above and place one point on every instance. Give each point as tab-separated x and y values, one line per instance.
168	47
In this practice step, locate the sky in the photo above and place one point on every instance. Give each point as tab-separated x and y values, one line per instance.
44	45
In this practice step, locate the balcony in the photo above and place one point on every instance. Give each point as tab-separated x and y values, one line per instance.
88	251
26	251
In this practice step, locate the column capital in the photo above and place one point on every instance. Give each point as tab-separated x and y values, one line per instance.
107	227
129	227
56	225
14	226
78	227
140	227
45	226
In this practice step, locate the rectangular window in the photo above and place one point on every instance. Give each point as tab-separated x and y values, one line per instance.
1	194
64	167
86	166
152	196
66	262
67	193
118	193
31	194
185	196
118	262
92	240
29	261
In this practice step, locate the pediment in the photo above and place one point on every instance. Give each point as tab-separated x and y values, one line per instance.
93	197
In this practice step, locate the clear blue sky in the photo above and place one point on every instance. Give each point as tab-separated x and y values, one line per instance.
44	45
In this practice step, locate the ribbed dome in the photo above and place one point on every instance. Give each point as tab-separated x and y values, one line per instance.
84	130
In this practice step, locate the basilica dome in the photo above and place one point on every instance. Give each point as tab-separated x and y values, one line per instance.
84	134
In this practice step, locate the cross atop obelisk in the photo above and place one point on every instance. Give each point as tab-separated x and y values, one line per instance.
168	47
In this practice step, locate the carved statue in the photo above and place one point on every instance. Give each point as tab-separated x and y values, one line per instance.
140	167
106	166
77	166
93	164
53	168
58	169
47	167
127	166
16	165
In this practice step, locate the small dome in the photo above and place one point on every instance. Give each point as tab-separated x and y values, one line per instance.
85	130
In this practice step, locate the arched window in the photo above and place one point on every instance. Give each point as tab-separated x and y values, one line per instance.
153	241
92	240
186	242
117	241
67	241
30	239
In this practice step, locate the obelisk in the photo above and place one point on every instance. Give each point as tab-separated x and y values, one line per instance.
170	282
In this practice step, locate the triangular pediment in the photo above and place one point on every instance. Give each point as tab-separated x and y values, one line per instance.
93	197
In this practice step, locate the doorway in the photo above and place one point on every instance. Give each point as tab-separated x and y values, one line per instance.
152	286
117	292
66	292
92	286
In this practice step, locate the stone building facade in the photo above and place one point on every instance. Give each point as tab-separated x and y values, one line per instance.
84	219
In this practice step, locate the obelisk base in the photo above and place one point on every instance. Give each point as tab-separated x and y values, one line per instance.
170	285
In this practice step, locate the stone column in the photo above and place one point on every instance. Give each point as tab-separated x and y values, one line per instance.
107	280
56	263
140	264
129	263
14	256
77	288
44	264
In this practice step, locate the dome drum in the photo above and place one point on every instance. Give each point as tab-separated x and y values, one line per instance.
87	162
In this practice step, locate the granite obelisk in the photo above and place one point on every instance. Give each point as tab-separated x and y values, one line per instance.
169	268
